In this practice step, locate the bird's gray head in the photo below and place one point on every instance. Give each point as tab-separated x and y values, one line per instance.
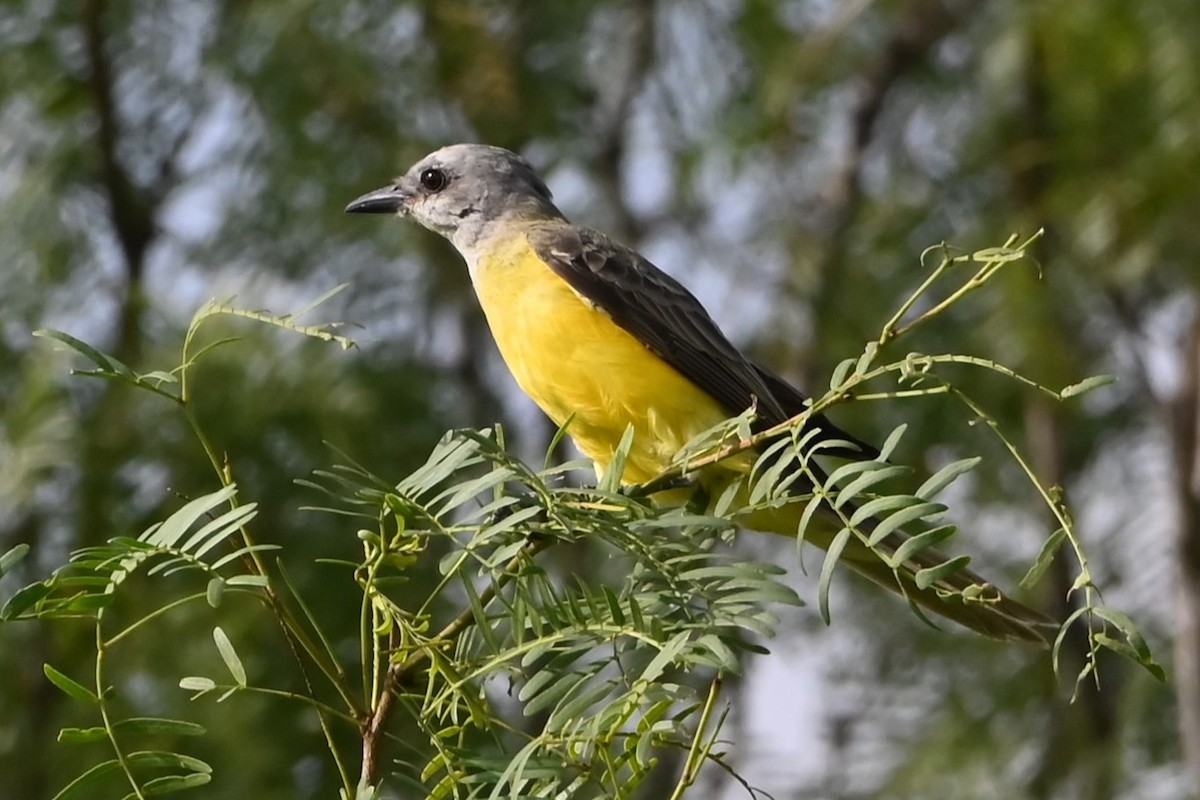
462	192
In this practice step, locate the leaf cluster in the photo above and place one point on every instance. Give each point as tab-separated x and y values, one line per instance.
522	680
605	677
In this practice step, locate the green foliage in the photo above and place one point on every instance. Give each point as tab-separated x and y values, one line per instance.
850	490
609	669
543	684
793	153
613	671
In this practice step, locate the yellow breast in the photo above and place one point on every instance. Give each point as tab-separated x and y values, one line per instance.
572	359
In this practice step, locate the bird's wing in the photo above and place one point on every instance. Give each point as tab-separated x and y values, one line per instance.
663	315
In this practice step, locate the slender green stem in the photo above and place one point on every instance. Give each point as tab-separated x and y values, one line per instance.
304	699
699	749
294	641
290	624
101	694
843	393
1054	506
155	614
338	670
373	730
367	638
225	476
133	380
953	358
295	635
441	585
901	394
1012	252
1084	579
890	328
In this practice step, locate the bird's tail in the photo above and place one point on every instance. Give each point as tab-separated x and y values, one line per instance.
961	596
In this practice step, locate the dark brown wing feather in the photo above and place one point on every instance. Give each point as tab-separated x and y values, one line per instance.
671	322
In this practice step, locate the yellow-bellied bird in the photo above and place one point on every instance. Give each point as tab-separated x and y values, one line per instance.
596	334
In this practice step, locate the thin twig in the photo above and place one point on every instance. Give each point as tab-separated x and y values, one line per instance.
893	330
698	752
398	673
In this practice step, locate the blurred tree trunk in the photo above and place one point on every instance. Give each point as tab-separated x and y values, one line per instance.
132	214
1187	628
1084	735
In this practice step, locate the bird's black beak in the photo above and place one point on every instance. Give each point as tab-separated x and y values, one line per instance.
387	200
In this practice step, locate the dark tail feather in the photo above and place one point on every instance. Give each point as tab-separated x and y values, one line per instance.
963	596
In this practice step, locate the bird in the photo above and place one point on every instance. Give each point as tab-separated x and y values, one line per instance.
602	340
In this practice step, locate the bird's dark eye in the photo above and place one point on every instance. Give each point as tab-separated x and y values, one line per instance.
434	180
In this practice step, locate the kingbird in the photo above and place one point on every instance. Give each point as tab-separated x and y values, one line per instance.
601	340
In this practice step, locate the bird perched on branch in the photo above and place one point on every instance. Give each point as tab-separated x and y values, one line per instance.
602	340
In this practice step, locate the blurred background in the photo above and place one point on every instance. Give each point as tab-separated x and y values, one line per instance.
788	161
